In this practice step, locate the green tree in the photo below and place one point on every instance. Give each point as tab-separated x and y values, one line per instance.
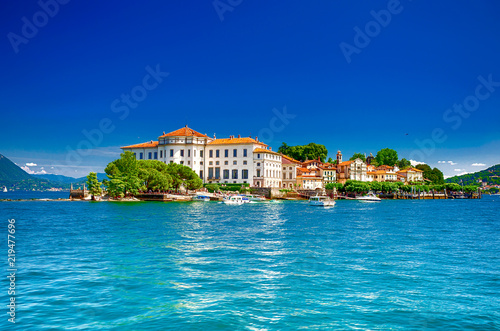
376	186
330	160
212	187
470	188
93	185
453	187
387	156
356	186
123	175
154	175
403	163
358	156
331	186
434	175
304	152
389	187
183	176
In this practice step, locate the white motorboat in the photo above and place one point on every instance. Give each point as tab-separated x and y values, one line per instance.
236	200
200	197
256	198
370	197
321	201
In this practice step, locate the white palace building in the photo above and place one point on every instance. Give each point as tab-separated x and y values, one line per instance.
228	160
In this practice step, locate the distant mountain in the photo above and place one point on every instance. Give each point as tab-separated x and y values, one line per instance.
9	171
69	180
56	178
490	176
15	178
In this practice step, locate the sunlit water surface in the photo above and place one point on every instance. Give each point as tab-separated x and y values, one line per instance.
394	265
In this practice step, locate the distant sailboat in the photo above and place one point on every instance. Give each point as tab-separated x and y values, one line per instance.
5	189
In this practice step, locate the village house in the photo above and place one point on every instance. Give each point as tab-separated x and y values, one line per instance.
411	175
354	170
289	172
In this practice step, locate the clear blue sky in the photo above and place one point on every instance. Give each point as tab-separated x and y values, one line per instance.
229	67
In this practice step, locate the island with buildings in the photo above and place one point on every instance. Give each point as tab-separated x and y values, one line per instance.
247	160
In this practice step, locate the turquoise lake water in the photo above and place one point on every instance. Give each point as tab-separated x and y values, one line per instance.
394	265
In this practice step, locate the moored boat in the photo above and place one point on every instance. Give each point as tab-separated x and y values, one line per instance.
255	198
321	201
235	200
201	197
370	197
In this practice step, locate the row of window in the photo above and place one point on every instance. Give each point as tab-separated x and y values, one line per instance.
269	156
151	156
226	162
214	173
182	153
226	153
154	155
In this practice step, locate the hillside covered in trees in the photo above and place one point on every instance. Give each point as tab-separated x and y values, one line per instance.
15	178
491	176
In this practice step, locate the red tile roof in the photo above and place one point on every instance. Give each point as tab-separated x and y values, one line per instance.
262	150
143	145
410	169
246	140
184	132
289	159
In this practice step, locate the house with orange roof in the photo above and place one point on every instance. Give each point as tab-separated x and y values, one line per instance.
289	171
383	173
354	170
329	173
267	168
309	178
411	175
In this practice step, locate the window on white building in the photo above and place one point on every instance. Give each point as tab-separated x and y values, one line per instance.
171	153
